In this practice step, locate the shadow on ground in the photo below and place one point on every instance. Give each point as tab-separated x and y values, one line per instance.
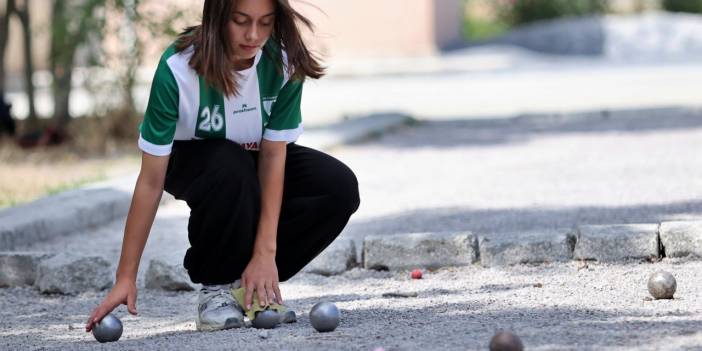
470	326
487	221
520	129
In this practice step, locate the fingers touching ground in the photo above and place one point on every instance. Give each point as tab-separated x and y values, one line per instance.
266	292
276	290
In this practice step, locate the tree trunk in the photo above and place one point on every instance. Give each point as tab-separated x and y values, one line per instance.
134	55
23	14
4	32
62	94
62	53
72	24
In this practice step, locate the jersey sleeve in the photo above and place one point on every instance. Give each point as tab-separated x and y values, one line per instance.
157	131
285	123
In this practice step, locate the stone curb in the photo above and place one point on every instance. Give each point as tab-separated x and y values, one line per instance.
426	250
605	243
61	214
69	274
61	273
531	247
167	276
613	243
682	238
339	257
20	268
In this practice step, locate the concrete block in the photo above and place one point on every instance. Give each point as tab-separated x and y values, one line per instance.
71	274
527	247
19	268
682	238
424	250
60	214
339	257
612	243
172	277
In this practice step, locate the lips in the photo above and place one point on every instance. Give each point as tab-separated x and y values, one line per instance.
248	47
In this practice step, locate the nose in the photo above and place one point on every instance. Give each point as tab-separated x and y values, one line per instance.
252	33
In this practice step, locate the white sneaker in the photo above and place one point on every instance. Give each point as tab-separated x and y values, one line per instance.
217	309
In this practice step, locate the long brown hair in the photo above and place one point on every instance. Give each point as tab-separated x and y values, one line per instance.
211	57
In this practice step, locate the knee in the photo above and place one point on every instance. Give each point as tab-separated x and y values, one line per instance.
345	190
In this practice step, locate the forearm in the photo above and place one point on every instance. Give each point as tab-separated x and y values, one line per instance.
141	215
271	172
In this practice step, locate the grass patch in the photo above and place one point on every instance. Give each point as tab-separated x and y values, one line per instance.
90	156
76	183
26	181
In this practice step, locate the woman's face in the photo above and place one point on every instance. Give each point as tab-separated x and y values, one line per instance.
251	26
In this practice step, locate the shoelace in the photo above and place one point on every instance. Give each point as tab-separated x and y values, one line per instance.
221	297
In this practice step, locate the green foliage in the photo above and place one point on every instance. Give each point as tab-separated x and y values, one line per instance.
79	29
480	29
691	6
72	24
524	11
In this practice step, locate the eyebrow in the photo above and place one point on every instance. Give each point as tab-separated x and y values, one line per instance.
249	16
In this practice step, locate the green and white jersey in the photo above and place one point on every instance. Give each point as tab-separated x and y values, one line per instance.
182	106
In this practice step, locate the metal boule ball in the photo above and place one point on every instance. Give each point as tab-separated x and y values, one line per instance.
109	329
267	319
325	316
506	341
662	285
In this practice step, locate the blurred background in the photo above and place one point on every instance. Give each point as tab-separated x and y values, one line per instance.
75	74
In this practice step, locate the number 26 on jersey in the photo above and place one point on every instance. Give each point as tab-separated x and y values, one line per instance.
210	120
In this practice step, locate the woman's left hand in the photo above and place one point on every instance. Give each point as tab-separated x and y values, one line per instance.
261	275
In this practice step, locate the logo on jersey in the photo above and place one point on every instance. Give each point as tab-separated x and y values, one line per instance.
244	108
268	104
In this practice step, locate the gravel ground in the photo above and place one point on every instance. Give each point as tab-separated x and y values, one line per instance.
552	307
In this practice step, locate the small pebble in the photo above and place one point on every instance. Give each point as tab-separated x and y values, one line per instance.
264	334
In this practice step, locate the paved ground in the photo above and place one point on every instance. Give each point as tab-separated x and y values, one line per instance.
554	307
524	84
489	176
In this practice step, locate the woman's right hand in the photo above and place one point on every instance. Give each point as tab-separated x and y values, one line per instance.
124	292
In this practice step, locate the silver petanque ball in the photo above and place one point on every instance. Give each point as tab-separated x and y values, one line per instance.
506	341
267	319
109	329
325	316
662	285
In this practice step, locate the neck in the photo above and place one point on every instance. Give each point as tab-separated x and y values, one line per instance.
240	65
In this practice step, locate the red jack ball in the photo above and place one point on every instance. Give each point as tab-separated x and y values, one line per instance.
417	274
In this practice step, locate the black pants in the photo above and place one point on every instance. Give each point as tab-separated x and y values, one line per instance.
219	181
